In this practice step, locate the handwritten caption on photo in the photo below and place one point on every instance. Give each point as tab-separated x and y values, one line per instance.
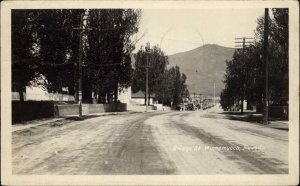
218	148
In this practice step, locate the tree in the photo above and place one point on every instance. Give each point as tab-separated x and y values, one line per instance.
178	87
279	72
25	62
245	73
59	47
236	78
43	48
173	87
243	78
108	57
45	43
278	55
157	62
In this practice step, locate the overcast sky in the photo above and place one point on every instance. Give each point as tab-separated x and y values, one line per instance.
179	30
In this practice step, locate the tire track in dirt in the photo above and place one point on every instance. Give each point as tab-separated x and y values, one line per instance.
135	151
113	148
51	159
243	157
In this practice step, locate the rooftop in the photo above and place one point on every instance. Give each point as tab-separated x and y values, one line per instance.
141	94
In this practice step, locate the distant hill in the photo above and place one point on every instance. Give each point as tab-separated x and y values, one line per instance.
201	65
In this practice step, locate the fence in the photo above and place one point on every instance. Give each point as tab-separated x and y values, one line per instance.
43	97
73	109
30	110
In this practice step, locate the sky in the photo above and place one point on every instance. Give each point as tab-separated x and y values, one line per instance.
179	30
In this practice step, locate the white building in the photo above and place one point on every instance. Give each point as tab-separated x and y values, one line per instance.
138	98
125	96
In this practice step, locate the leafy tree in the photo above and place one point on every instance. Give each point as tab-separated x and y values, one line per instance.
279	83
59	47
157	62
46	42
278	55
178	85
108	57
25	61
236	76
245	73
43	44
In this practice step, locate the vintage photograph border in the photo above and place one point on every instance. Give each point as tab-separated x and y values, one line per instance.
7	178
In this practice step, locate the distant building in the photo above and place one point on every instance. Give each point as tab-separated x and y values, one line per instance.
39	94
138	98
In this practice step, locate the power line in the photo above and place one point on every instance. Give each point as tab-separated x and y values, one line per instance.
243	43
174	39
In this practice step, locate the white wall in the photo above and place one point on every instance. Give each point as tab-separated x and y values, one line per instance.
38	94
141	101
125	95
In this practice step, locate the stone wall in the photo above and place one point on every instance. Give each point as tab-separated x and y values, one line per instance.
64	110
31	110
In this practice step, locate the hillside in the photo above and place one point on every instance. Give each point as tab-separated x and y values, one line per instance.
202	65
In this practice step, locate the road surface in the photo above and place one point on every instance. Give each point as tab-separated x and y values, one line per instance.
154	143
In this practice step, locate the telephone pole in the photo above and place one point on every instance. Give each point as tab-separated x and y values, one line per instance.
147	88
266	96
80	65
244	42
83	29
214	93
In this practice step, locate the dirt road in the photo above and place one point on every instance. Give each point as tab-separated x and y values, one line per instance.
151	143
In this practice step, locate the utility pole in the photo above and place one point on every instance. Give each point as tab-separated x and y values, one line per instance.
85	28
214	93
266	97
244	43
147	88
80	67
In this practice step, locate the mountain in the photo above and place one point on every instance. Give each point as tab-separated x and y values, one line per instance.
201	66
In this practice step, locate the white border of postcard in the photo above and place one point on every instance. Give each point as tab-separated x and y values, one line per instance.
292	178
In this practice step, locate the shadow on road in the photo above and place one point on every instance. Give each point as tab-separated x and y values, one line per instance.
252	117
246	116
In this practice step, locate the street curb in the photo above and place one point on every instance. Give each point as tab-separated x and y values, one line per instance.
20	126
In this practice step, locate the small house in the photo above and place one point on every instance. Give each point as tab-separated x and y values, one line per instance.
139	98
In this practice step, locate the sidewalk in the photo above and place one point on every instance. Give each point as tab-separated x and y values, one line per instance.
34	123
45	121
253	117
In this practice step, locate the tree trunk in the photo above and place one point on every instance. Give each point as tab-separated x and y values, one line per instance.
242	106
21	91
149	97
21	95
116	93
249	107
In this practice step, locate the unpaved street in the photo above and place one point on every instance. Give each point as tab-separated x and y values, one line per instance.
189	142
